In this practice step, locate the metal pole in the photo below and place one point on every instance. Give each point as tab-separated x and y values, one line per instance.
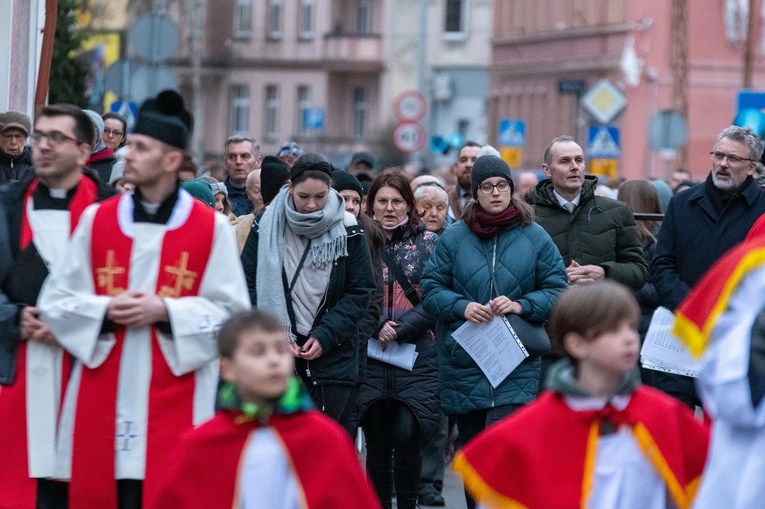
422	76
196	43
748	50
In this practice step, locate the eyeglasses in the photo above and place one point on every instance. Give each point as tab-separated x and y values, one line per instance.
54	137
396	203
113	132
502	186
719	156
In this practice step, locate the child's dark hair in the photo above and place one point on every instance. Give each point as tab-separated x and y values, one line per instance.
592	309
228	335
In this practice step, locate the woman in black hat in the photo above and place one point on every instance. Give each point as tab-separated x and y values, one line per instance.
496	261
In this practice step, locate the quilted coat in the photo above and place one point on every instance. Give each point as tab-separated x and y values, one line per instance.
600	231
528	269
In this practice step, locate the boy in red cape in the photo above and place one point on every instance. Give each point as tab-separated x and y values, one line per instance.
596	438
266	448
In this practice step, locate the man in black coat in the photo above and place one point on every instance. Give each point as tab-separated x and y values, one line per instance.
701	224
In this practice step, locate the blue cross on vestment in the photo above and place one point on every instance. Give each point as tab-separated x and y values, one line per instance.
126	436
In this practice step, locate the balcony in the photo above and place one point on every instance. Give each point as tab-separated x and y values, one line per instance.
353	51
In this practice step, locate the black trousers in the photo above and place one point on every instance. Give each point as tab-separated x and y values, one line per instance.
393	452
330	399
472	423
55	494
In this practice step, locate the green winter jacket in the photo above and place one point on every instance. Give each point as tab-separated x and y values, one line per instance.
600	231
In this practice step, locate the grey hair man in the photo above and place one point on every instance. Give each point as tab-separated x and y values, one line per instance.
702	223
242	157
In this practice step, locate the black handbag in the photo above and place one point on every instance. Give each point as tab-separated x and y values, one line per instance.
533	335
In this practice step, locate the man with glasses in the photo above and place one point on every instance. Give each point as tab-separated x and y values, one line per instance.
596	236
15	155
149	278
242	157
701	224
40	212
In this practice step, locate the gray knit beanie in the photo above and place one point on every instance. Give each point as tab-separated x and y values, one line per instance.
487	167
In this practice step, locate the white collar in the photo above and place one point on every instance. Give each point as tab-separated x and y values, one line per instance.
562	201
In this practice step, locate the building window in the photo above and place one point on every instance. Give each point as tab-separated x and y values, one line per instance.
242	19
455	17
364	17
275	19
240	109
303	105
272	112
360	112
306	19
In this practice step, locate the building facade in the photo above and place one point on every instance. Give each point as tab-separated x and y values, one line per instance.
326	73
539	46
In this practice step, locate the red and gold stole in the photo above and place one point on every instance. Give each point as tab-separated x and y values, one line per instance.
184	255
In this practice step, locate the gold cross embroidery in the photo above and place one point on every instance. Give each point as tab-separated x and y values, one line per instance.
105	275
184	278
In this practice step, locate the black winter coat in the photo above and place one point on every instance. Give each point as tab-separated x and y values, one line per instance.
600	231
15	168
336	326
694	235
419	389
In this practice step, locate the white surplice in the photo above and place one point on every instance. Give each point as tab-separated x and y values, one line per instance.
267	477
76	315
734	476
50	234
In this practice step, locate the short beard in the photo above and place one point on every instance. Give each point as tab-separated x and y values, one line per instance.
726	186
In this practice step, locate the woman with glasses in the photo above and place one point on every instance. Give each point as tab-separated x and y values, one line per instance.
495	261
115	131
399	406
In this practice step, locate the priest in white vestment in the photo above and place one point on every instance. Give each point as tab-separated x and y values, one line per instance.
149	278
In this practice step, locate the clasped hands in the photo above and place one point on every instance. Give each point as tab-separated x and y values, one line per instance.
582	274
498	306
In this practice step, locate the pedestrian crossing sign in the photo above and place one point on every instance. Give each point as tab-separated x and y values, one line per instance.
512	133
603	143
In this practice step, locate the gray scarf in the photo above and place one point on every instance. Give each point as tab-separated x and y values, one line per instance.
328	236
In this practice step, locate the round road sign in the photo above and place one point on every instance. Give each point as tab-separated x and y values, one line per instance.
410	106
409	137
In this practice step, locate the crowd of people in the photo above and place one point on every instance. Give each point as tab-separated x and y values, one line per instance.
171	340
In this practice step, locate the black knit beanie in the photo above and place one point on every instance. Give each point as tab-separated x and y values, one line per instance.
164	118
274	173
487	167
342	181
302	166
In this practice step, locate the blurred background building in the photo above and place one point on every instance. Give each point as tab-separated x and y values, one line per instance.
330	74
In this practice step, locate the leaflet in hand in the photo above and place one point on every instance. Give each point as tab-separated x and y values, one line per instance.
402	356
663	351
493	346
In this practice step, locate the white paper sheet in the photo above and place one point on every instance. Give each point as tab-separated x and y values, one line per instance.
402	356
663	351
493	346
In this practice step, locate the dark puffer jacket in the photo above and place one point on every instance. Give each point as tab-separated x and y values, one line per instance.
336	326
418	388
15	168
600	231
529	270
